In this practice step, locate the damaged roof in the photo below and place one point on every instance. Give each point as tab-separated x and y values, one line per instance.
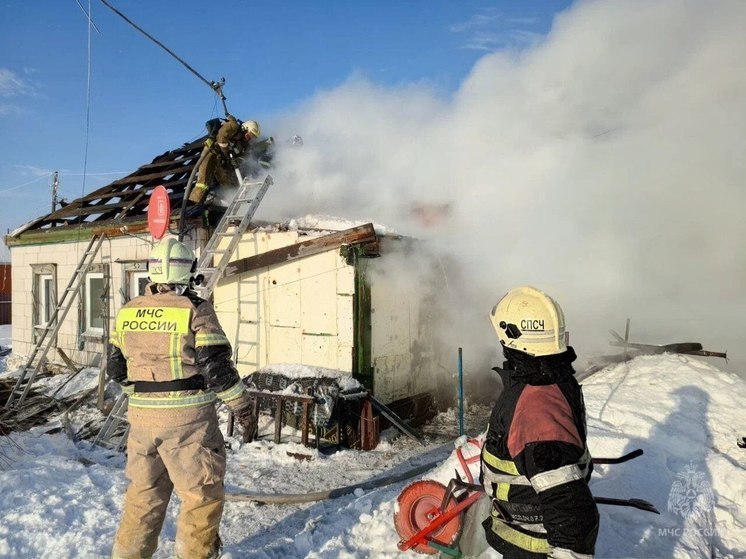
124	200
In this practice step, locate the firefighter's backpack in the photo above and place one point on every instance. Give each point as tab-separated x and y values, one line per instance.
213	125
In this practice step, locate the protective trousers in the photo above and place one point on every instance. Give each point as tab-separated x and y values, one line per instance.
188	458
215	167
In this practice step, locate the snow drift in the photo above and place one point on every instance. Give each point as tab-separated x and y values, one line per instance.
62	502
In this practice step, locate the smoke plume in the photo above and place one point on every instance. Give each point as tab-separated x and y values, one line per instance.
604	165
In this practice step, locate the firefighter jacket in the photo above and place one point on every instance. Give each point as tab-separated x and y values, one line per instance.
535	463
216	165
169	351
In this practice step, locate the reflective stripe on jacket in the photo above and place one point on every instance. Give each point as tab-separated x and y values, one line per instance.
535	466
163	336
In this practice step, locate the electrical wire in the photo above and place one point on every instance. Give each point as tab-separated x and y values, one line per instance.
87	15
217	87
16	187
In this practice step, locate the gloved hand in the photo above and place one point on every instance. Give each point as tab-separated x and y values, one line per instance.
246	419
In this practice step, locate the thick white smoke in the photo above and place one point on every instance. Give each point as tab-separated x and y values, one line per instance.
604	165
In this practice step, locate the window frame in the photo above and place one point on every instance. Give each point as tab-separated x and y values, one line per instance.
44	301
95	271
131	273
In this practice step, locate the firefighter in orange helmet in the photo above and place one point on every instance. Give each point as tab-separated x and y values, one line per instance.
171	355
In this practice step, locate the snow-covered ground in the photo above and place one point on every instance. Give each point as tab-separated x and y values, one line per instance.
61	501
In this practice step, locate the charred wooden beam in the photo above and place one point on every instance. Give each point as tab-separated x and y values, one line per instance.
142	179
686	348
129	200
356	235
127	186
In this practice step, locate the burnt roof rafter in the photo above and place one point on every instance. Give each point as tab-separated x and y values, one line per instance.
126	197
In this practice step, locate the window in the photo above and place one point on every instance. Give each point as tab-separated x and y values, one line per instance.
137	283
134	280
46	299
96	303
44	295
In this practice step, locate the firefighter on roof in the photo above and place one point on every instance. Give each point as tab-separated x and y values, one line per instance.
535	461
231	141
173	358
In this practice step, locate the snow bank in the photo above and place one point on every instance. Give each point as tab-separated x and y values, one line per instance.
684	413
59	501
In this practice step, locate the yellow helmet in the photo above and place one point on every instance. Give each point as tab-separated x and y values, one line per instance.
171	261
251	127
530	321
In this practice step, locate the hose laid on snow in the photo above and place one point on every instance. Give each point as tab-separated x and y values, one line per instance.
293	498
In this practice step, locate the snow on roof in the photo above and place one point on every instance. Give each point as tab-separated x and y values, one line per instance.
331	223
684	413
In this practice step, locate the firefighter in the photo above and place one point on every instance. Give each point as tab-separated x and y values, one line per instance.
535	463
170	354
219	164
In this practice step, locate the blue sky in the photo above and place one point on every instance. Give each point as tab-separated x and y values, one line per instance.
274	55
593	150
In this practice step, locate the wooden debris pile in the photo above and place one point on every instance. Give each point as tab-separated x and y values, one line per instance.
630	350
39	405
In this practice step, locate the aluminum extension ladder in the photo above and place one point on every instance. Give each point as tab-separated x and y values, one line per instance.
117	416
237	217
235	221
49	332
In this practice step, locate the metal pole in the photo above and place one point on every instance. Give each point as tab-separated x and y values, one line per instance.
460	392
55	184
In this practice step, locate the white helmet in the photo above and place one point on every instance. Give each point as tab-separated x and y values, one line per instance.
530	321
171	261
251	127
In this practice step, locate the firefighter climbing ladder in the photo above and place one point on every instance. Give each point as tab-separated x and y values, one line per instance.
49	332
237	217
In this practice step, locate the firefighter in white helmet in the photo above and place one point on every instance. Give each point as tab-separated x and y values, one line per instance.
224	153
535	461
170	353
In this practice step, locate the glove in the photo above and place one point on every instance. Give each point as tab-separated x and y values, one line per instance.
246	419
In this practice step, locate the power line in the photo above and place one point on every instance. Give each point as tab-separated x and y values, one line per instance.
217	87
87	15
16	187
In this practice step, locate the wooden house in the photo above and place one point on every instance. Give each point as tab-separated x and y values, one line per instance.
302	295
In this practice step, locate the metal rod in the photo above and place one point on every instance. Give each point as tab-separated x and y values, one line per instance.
460	391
